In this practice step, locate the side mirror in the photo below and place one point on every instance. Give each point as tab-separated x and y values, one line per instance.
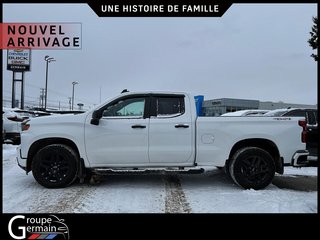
96	115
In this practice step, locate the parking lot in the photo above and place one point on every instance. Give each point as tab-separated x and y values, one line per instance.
211	192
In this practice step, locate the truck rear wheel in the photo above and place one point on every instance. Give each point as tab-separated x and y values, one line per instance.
55	166
252	167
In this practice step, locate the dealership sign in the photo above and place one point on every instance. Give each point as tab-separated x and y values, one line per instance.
19	60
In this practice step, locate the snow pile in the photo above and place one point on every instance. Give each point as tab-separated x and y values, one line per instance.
304	171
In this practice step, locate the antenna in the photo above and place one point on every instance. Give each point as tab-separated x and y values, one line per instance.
124	91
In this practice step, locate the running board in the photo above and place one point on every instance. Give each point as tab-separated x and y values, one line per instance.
106	171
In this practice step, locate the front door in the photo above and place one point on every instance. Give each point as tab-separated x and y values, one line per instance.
121	138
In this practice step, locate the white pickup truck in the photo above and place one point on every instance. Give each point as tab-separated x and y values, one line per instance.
158	130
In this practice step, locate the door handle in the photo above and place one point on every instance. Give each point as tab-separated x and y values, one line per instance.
138	126
181	126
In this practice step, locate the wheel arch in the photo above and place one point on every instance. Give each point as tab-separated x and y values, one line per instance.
264	144
36	146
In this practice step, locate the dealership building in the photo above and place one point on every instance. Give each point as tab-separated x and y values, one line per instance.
216	107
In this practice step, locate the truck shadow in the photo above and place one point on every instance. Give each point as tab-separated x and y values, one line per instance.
296	182
212	178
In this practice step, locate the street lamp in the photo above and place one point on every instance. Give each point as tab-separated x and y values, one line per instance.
48	60
73	83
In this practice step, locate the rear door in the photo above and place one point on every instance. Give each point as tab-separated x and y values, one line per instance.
171	133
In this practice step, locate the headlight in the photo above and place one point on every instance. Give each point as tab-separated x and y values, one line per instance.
25	125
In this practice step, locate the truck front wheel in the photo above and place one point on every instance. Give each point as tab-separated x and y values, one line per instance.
252	167
55	166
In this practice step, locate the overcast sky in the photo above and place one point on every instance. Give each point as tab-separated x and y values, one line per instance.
255	51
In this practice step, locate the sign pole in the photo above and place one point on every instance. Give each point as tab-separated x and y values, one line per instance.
22	92
13	99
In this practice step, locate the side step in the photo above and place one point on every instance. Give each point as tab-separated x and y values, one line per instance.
113	171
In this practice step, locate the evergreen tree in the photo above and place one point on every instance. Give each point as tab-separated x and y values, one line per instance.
313	41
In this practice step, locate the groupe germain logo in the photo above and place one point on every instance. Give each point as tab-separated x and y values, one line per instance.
52	227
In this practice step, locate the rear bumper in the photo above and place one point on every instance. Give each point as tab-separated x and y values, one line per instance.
313	151
300	158
312	158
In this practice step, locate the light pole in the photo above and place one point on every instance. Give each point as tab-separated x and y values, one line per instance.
48	60
69	102
73	83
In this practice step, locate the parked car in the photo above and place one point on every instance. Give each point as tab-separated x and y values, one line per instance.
10	129
311	116
24	114
12	115
242	113
312	137
293	112
136	132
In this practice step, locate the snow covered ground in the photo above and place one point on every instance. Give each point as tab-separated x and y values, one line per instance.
212	192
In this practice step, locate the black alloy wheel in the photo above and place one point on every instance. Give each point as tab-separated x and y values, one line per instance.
252	167
55	166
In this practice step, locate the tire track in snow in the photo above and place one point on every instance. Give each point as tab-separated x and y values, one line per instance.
175	200
64	200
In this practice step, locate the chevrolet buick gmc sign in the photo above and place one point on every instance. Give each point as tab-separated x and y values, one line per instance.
19	60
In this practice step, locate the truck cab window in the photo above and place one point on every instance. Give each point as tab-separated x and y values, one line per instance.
169	106
132	107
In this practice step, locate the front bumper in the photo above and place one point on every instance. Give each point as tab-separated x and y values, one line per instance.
300	158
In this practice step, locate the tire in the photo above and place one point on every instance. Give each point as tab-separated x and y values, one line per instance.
55	166
252	167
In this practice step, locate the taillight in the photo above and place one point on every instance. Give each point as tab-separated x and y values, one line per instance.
15	118
303	124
